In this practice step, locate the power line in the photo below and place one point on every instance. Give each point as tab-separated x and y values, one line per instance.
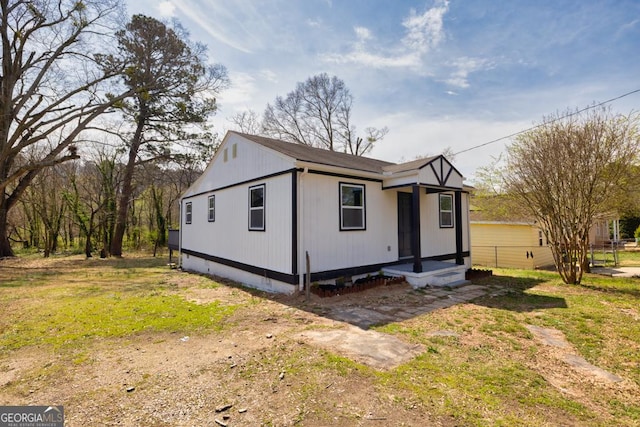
552	121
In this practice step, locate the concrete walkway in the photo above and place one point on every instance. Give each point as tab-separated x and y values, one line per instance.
617	271
356	313
405	303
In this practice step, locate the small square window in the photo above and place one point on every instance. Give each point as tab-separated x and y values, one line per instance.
211	210
256	208
352	207
187	213
446	211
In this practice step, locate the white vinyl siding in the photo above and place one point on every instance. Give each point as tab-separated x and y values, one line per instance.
230	238
352	207
331	248
256	208
211	209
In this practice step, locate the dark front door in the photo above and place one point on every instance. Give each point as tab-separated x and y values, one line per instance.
404	225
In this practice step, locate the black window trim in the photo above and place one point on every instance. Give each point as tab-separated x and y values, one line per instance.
440	211
263	208
188	213
210	209
364	206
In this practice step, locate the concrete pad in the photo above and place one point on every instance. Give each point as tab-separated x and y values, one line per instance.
362	317
617	271
551	337
371	348
582	364
470	288
555	338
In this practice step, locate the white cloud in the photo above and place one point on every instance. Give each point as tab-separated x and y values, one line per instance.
463	67
240	93
360	55
166	9
629	26
314	23
362	33
412	135
422	33
374	60
425	31
269	76
247	26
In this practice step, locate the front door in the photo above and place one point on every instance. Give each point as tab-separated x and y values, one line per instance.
404	224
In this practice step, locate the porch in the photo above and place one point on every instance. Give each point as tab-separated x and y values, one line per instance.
434	273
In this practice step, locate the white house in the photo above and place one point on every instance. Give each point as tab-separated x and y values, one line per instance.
262	204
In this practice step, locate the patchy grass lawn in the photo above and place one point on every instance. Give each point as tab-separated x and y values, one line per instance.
133	342
494	373
629	258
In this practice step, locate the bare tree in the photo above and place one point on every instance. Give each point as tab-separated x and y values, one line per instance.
44	194
490	200
50	90
569	170
173	88
90	196
318	113
247	122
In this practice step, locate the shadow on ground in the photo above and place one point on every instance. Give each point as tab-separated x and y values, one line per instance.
515	296
394	303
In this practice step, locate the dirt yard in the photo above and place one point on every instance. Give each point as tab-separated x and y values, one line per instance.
283	361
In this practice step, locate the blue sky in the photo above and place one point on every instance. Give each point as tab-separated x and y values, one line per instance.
439	74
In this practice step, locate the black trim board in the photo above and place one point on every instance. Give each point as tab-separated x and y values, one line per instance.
294	222
271	274
430	188
284	172
416	249
341	175
293	279
458	225
237	184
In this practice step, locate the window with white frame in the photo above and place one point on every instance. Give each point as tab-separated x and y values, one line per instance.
187	213
446	211
211	209
352	207
256	207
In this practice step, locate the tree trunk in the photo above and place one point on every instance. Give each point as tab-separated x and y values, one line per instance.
87	242
127	186
5	247
123	205
161	223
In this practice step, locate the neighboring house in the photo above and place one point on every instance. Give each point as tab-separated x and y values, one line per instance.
605	230
262	204
509	245
520	243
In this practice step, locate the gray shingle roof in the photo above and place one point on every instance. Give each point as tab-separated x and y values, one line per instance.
320	156
409	166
